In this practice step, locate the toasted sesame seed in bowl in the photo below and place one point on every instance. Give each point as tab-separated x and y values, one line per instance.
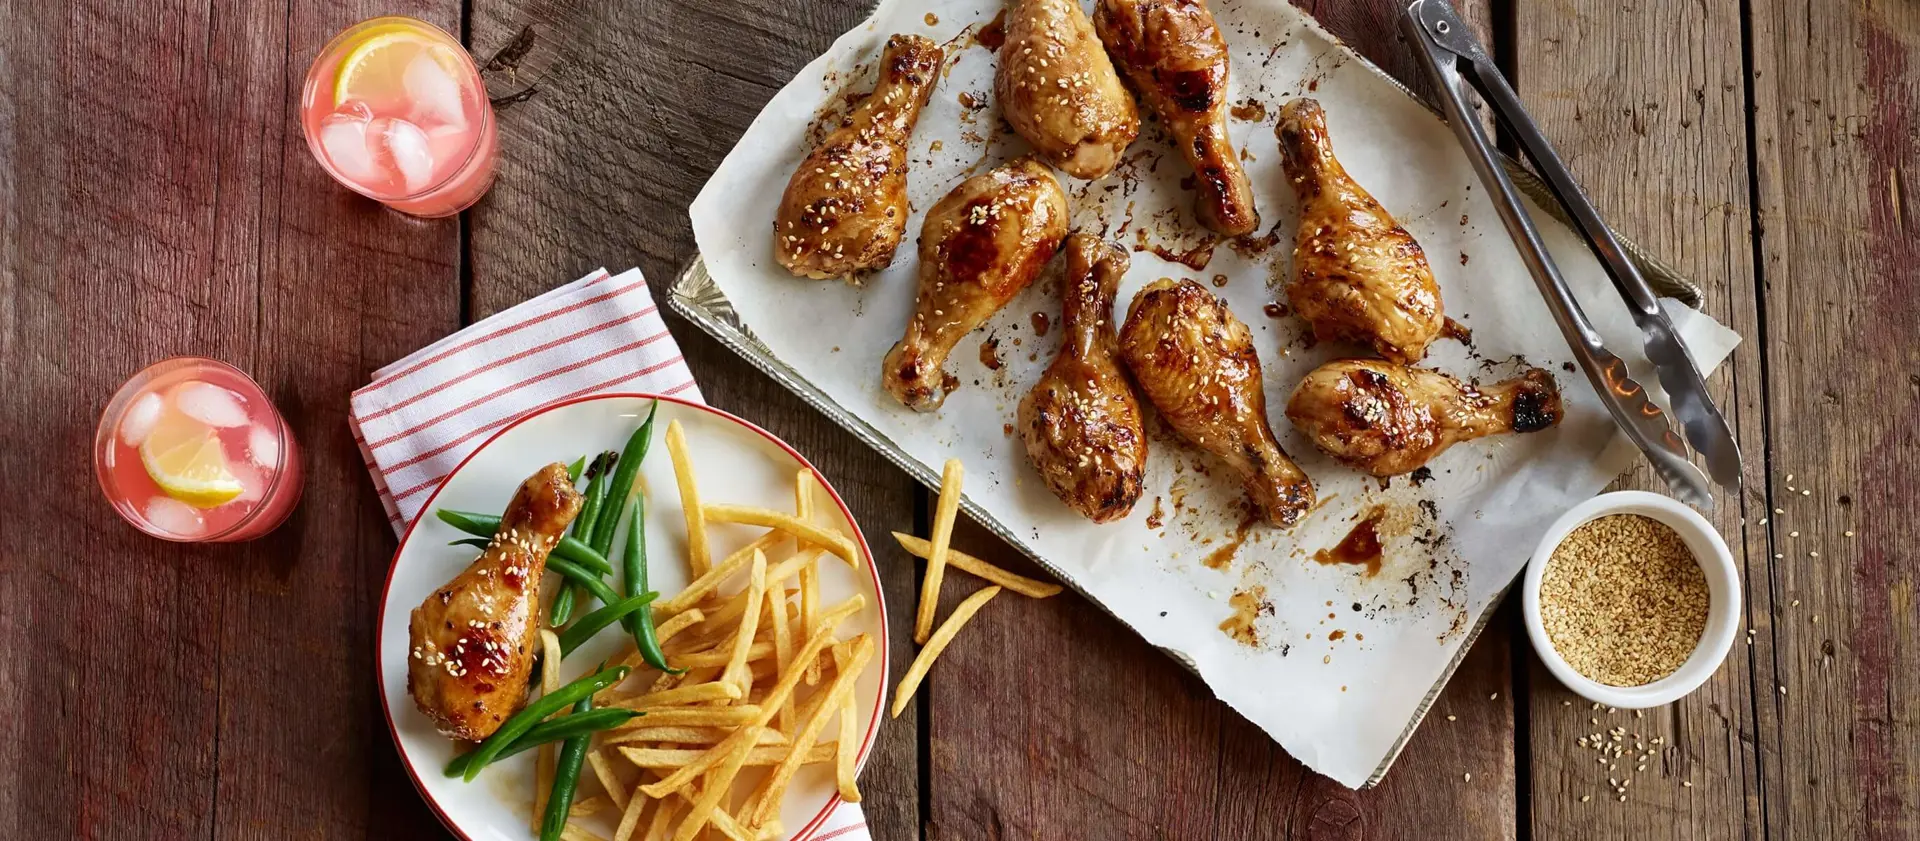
1632	599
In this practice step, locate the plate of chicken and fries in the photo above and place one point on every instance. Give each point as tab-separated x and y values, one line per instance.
720	669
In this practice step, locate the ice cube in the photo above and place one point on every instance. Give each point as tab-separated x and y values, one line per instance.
263	447
210	404
253	482
400	147
140	418
434	92
344	138
174	517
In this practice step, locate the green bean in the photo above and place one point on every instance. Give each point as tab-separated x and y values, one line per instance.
646	637
566	779
582	576
476	542
583	529
592	623
564	727
569	547
627	468
573	470
519	723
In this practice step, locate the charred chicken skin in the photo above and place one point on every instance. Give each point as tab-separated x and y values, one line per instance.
1387	419
1058	89
472	641
1081	422
845	208
1358	276
1172	52
1196	364
979	246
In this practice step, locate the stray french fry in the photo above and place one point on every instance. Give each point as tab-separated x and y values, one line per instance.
716	786
803	743
936	644
835	542
698	557
603	770
1033	589
696	735
943	515
686	717
776	696
736	672
760	755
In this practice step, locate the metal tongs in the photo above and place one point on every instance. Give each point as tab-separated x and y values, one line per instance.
1454	58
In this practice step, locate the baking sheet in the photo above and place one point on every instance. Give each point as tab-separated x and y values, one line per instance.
1336	662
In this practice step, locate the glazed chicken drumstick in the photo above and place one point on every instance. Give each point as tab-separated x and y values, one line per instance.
979	246
1057	88
1387	419
1358	276
1196	363
845	208
1173	53
472	640
1081	422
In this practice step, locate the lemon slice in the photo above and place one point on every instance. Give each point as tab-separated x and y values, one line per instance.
380	58
185	460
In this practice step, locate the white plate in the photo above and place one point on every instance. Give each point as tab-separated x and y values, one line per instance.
737	462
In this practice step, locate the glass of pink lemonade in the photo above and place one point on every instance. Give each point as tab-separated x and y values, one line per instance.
394	108
191	450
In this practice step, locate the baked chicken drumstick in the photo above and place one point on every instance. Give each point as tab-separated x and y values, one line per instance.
979	246
1358	276
1196	363
845	208
1057	88
472	641
1173	53
1081	422
1387	419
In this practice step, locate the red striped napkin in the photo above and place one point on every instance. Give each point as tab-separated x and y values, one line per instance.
423	414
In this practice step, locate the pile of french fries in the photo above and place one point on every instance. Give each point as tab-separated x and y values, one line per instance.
761	675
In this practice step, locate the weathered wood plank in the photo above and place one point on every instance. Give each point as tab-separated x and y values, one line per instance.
631	112
1652	121
1837	144
160	201
1051	719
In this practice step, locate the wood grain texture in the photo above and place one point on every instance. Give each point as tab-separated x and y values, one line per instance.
160	200
1651	119
633	106
1051	719
1835	93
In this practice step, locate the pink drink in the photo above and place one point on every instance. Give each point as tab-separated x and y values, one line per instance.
208	414
395	109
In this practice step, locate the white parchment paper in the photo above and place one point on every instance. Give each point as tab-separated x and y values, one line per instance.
1334	662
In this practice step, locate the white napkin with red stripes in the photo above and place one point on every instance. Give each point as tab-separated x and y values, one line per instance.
421	416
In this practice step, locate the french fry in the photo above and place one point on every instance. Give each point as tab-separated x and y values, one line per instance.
543	760
686	717
630	818
760	755
590	806
736	672
680	622
717	785
803	742
849	742
803	485
776	696
711	580
722	657
691	694
1031	588
937	643
944	513
662	818
698	557
573	832
683	735
838	544
609	779
782	651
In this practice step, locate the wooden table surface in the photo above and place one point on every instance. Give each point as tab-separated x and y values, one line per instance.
157	198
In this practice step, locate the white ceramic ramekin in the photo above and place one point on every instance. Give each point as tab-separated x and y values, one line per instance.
1723	588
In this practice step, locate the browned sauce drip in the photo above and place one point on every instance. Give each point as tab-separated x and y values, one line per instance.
967	101
1275	310
1039	324
1195	258
1159	516
1252	110
1222	557
932	19
1458	332
990	354
1005	429
1361	546
1219	281
1337	634
994	33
